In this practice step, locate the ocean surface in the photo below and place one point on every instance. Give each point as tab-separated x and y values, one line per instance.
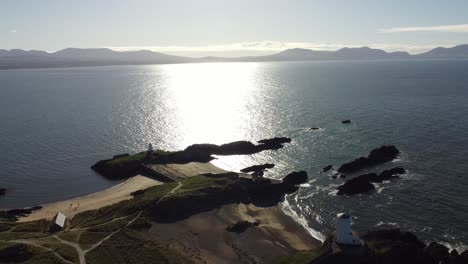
56	123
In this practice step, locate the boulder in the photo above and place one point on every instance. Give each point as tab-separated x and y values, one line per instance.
363	183
256	168
357	185
295	178
241	226
275	141
383	154
327	168
376	156
389	174
347	121
438	252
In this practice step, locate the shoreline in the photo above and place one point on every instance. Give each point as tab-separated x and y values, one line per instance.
109	196
123	190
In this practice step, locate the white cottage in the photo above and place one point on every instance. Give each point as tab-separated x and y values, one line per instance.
58	222
344	234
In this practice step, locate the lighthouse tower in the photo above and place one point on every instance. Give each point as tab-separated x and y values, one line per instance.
344	234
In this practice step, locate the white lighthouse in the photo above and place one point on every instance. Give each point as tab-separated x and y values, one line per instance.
344	234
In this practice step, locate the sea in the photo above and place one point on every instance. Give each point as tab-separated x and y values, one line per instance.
56	123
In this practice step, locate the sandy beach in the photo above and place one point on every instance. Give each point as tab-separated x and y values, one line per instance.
93	201
203	237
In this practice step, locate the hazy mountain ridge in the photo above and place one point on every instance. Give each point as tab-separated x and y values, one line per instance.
76	57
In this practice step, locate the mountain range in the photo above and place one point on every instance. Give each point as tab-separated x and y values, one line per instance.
75	57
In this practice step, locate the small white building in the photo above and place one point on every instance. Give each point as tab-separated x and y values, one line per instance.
59	221
344	233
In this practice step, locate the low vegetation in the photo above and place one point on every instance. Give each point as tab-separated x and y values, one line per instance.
301	257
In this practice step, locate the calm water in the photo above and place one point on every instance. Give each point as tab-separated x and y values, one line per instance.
55	123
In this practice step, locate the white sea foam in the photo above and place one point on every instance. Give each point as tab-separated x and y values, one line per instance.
301	220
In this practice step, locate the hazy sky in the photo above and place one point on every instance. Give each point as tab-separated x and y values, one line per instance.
229	28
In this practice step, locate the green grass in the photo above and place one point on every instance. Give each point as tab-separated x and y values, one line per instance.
111	226
21	235
128	246
301	257
137	157
26	254
67	252
89	238
380	247
38	226
71	236
5	227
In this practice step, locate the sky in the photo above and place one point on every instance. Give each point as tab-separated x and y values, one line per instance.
232	28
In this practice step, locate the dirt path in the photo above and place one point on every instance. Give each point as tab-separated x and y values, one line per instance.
82	253
28	242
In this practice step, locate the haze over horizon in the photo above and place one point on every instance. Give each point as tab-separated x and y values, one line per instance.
231	29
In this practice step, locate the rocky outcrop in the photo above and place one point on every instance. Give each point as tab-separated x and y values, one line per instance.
241	226
327	168
256	168
375	157
363	183
295	178
194	153
390	246
13	214
357	185
239	147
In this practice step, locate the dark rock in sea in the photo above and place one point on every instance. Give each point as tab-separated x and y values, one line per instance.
383	154
347	121
258	168
295	178
327	168
437	252
376	156
35	208
357	185
389	174
241	226
275	141
2	191
19	212
363	183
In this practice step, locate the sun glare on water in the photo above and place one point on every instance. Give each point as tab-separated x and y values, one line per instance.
210	100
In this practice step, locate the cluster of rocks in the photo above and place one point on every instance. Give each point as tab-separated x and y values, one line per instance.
13	214
363	183
377	156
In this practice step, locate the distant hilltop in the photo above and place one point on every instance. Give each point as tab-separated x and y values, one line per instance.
75	57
